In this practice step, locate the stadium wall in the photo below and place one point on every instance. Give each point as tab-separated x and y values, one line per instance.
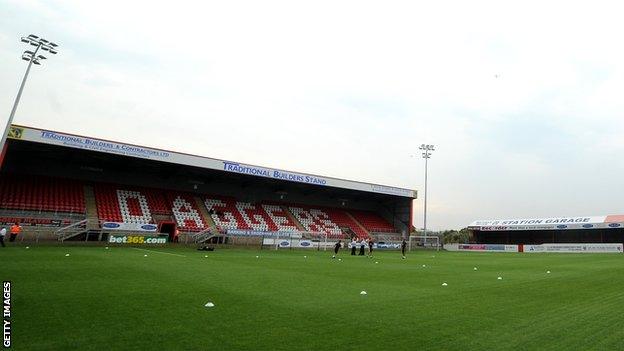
537	237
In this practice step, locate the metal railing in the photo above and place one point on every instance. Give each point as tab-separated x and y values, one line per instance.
71	230
204	235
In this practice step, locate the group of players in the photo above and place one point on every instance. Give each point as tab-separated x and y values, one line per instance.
362	244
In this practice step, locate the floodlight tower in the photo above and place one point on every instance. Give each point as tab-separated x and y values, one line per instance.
31	57
426	154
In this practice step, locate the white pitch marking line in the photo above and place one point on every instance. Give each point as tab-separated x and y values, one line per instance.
160	252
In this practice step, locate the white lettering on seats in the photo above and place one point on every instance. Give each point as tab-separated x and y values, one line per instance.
133	214
281	220
184	213
251	215
222	216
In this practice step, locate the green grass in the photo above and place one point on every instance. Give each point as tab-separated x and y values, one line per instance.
116	299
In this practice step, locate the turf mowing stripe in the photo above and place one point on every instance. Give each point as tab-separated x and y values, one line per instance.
160	252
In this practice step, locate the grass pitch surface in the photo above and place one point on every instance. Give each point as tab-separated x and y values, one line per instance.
118	299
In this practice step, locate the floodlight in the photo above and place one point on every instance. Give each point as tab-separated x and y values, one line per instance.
32	58
426	154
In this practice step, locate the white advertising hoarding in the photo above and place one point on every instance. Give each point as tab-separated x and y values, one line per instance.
574	248
131	227
550	223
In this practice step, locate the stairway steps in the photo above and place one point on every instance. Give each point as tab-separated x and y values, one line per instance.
204	212
293	218
93	221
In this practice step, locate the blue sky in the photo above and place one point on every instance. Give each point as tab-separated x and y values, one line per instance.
522	99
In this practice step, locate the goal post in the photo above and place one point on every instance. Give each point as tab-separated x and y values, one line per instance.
319	240
424	242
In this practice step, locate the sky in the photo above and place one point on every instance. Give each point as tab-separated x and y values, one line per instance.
522	99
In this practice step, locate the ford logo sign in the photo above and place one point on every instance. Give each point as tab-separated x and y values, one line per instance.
148	227
284	243
614	225
305	243
587	225
110	225
562	226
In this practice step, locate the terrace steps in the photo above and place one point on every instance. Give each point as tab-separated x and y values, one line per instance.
91	208
204	212
358	223
293	218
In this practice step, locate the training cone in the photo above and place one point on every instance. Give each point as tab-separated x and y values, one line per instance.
66	255
444	284
145	255
106	248
362	292
257	256
305	256
206	256
27	247
376	262
500	278
547	272
475	268
424	265
209	304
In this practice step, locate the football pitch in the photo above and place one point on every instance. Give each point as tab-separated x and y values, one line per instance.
121	299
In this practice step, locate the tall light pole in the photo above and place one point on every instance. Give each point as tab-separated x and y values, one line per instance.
31	57
426	149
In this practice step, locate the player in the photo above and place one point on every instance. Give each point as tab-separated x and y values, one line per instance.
176	236
370	248
15	230
353	245
2	234
362	245
403	246
336	248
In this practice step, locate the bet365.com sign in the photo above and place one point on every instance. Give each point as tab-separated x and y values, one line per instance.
137	239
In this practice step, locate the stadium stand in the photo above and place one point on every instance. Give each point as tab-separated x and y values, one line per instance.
256	217
43	194
372	221
49	179
228	213
225	214
185	212
343	220
316	220
129	204
279	217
